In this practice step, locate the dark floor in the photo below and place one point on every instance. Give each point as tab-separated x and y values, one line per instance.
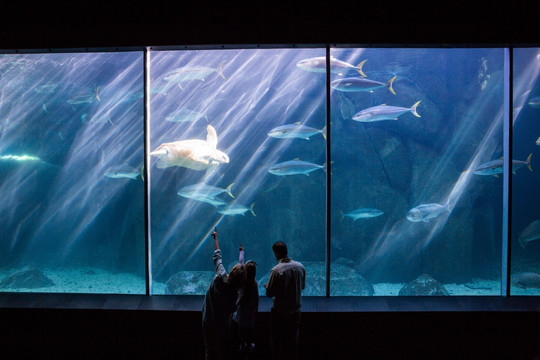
125	334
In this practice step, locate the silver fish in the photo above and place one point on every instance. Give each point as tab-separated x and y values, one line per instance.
294	167
384	112
362	213
204	190
530	233
535	102
495	167
122	172
205	198
193	73
356	84
295	131
237	209
318	65
526	280
425	212
86	97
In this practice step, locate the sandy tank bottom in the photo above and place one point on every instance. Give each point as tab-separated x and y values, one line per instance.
93	280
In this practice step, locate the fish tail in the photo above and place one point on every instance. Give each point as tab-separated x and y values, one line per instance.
522	243
413	109
96	90
228	189
359	68
389	83
219	70
251	209
529	161
323	132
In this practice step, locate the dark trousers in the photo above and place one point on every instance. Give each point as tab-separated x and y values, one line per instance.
284	335
216	343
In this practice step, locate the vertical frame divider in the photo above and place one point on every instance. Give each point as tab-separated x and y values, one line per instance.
328	173
147	222
507	173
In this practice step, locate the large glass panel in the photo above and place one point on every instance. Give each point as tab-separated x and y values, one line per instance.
525	247
71	150
415	208
233	135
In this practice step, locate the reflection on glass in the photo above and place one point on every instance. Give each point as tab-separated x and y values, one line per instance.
71	150
413	131
238	142
525	247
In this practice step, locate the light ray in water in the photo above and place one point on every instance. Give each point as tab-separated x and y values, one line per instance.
523	84
402	236
245	115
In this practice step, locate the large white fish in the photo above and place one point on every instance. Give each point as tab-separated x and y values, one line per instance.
295	131
202	197
318	65
236	209
384	112
425	212
193	154
362	213
294	167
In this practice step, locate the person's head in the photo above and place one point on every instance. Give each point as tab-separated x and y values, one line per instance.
280	250
251	271
237	276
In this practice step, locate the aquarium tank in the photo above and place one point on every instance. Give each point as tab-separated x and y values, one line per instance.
525	225
380	168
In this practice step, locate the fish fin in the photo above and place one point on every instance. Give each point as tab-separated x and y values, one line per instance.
210	169
389	83
323	132
529	162
359	68
97	93
180	86
211	137
495	175
219	70
228	189
297	159
522	243
298	123
307	138
251	209
413	109
342	216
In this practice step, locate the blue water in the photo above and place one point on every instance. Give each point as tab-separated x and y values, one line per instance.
63	210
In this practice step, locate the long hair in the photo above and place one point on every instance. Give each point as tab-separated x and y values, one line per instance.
237	276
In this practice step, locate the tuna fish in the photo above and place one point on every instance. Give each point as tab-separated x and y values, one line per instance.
295	167
356	84
535	102
318	65
425	212
362	213
236	209
295	131
530	233
495	167
384	112
122	172
192	73
204	190
526	280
